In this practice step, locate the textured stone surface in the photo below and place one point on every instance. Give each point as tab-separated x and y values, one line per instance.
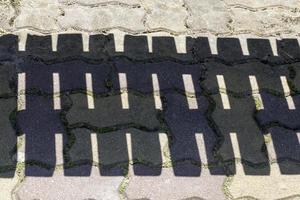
101	18
8	186
268	21
176	16
208	16
263	3
274	186
6	14
64	187
168	186
169	15
100	2
81	153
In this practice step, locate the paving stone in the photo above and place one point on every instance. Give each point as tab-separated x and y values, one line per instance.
277	112
170	76
7	13
105	17
267	21
137	48
8	186
288	49
11	179
184	126
229	51
39	122
171	3
192	17
9	137
293	80
38	3
250	138
65	187
69	52
8	119
101	2
263	4
212	16
169	186
142	114
284	149
42	81
167	16
114	151
237	80
8	47
39	15
265	187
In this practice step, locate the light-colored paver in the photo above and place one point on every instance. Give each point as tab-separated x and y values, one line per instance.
37	15
171	187
274	186
7	13
166	15
267	21
67	187
101	18
7	186
100	2
188	17
208	16
264	3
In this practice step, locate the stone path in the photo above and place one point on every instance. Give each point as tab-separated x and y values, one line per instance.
143	99
219	17
93	122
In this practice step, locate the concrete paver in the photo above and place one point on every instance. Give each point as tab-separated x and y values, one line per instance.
191	117
65	187
168	186
179	16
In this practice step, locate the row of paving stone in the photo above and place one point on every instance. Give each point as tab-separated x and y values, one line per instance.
98	48
137	16
176	118
152	164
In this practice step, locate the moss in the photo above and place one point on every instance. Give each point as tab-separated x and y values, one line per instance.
123	186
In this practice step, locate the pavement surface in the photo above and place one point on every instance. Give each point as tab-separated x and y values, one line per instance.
153	100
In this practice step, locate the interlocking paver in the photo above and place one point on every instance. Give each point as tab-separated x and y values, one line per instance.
65	187
191	119
271	20
101	2
208	16
163	15
237	77
8	119
239	120
129	18
263	4
277	112
265	187
168	186
286	149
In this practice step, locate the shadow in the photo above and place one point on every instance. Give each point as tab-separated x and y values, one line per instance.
287	149
8	133
229	49
282	124
39	122
8	47
181	123
133	135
